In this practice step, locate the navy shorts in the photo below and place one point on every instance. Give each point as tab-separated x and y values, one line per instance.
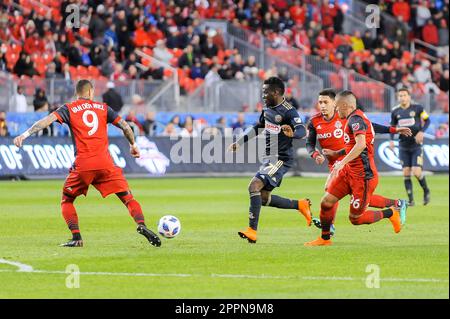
411	157
271	173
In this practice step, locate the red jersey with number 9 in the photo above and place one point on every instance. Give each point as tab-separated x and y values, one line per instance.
364	164
88	123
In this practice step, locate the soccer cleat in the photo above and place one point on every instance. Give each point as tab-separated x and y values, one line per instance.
396	219
403	206
151	236
304	207
73	243
319	242
426	197
411	203
249	234
318	224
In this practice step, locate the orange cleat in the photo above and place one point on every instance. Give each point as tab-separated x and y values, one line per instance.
249	234
396	219
319	242
304	207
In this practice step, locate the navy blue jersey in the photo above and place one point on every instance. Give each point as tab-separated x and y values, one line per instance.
277	143
411	117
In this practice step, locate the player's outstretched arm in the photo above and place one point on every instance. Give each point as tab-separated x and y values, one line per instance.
128	132
381	129
36	127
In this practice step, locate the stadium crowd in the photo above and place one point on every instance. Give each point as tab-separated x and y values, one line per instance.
36	42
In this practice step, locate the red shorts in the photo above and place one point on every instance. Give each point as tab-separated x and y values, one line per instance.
359	188
106	181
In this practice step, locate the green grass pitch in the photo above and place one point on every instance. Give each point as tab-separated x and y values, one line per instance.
208	259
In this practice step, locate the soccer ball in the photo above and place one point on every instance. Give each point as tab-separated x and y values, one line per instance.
169	226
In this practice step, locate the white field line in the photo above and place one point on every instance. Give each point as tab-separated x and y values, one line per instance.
29	269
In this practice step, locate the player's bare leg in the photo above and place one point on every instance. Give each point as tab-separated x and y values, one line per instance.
303	206
328	207
70	216
254	189
136	212
418	173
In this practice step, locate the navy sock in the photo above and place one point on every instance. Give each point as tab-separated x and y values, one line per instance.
423	182
387	213
255	209
281	202
409	189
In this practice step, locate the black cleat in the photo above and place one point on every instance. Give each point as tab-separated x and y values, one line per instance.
316	222
151	236
411	203
73	243
426	197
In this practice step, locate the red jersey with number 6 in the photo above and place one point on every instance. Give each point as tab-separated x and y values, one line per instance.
88	123
364	164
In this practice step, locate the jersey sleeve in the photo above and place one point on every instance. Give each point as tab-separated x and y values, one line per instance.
62	114
357	125
394	121
112	116
311	139
422	113
294	119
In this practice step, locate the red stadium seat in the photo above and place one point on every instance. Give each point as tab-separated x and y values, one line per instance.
168	73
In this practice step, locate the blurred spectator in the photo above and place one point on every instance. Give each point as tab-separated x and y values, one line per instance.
24	66
240	122
107	67
51	71
209	49
430	33
290	99
40	101
443	32
170	130
212	76
112	97
423	73
3	62
442	130
161	52
19	101
250	68
150	124
422	14
187	59
221	125
3	125
444	81
74	54
196	70
403	9
188	129
133	121
34	44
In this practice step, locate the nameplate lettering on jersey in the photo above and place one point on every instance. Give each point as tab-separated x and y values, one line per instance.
272	128
86	106
407	122
324	135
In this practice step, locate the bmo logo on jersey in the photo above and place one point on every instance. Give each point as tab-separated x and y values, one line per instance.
272	128
338	133
323	136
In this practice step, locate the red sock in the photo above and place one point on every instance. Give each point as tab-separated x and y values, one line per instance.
381	202
368	217
70	214
327	215
133	207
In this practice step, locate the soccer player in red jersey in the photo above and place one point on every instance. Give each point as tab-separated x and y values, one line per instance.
93	164
355	175
327	128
